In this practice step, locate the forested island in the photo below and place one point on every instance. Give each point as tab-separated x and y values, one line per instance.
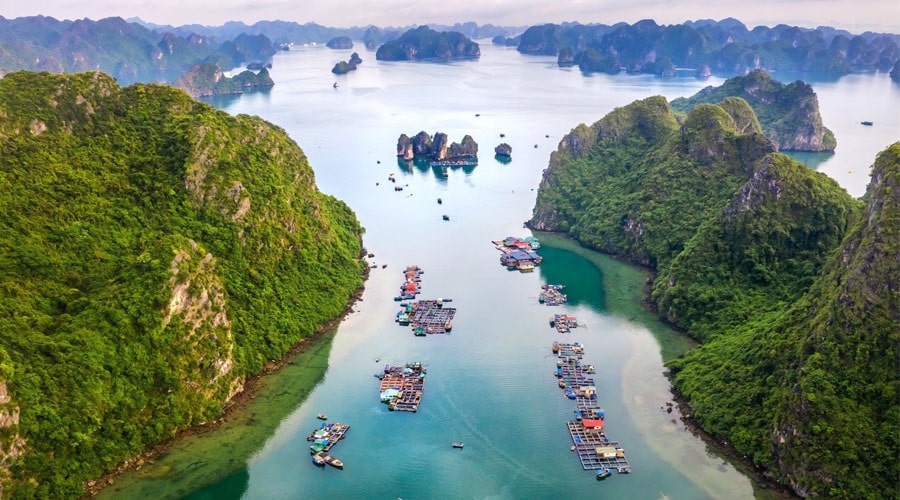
139	51
205	80
788	114
424	43
786	279
154	254
724	47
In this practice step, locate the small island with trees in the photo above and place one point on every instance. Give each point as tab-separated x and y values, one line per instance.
424	44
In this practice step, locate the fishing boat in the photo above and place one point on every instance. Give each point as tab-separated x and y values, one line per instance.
445	217
322	416
555	347
457	444
867	123
318	460
603	474
332	461
624	470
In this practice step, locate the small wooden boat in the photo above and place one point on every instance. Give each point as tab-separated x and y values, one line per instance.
445	217
603	474
322	416
867	123
318	460
555	347
332	461
457	444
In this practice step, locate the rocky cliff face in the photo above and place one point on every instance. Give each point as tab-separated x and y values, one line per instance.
436	148
789	114
849	336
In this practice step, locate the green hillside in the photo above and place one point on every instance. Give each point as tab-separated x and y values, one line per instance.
789	114
812	392
786	278
154	252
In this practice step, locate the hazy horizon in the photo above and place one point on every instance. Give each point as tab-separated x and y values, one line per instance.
865	15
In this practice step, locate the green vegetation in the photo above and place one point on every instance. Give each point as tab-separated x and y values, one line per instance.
205	80
128	51
634	184
785	277
759	254
789	114
154	252
812	391
424	43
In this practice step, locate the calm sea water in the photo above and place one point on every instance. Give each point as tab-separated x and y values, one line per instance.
490	382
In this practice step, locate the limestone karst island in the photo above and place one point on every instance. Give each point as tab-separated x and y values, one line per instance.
236	261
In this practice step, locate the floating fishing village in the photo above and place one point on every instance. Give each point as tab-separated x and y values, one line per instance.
552	295
401	387
423	316
595	451
519	253
324	438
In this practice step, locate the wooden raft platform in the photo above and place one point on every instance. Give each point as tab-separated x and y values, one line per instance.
431	316
408	381
595	450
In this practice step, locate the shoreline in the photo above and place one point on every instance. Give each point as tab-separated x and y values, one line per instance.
762	484
94	486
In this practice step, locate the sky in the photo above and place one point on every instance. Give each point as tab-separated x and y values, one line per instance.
854	16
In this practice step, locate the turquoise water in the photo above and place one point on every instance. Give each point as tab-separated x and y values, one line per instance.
490	381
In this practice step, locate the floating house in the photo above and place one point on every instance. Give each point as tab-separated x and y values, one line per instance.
401	387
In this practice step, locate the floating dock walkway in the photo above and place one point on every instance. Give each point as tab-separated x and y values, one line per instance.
595	450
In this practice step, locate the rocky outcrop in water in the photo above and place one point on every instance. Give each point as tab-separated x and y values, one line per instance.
340	42
344	67
422	145
423	43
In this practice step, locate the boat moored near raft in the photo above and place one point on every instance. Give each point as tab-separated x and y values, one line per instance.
603	474
318	460
333	461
